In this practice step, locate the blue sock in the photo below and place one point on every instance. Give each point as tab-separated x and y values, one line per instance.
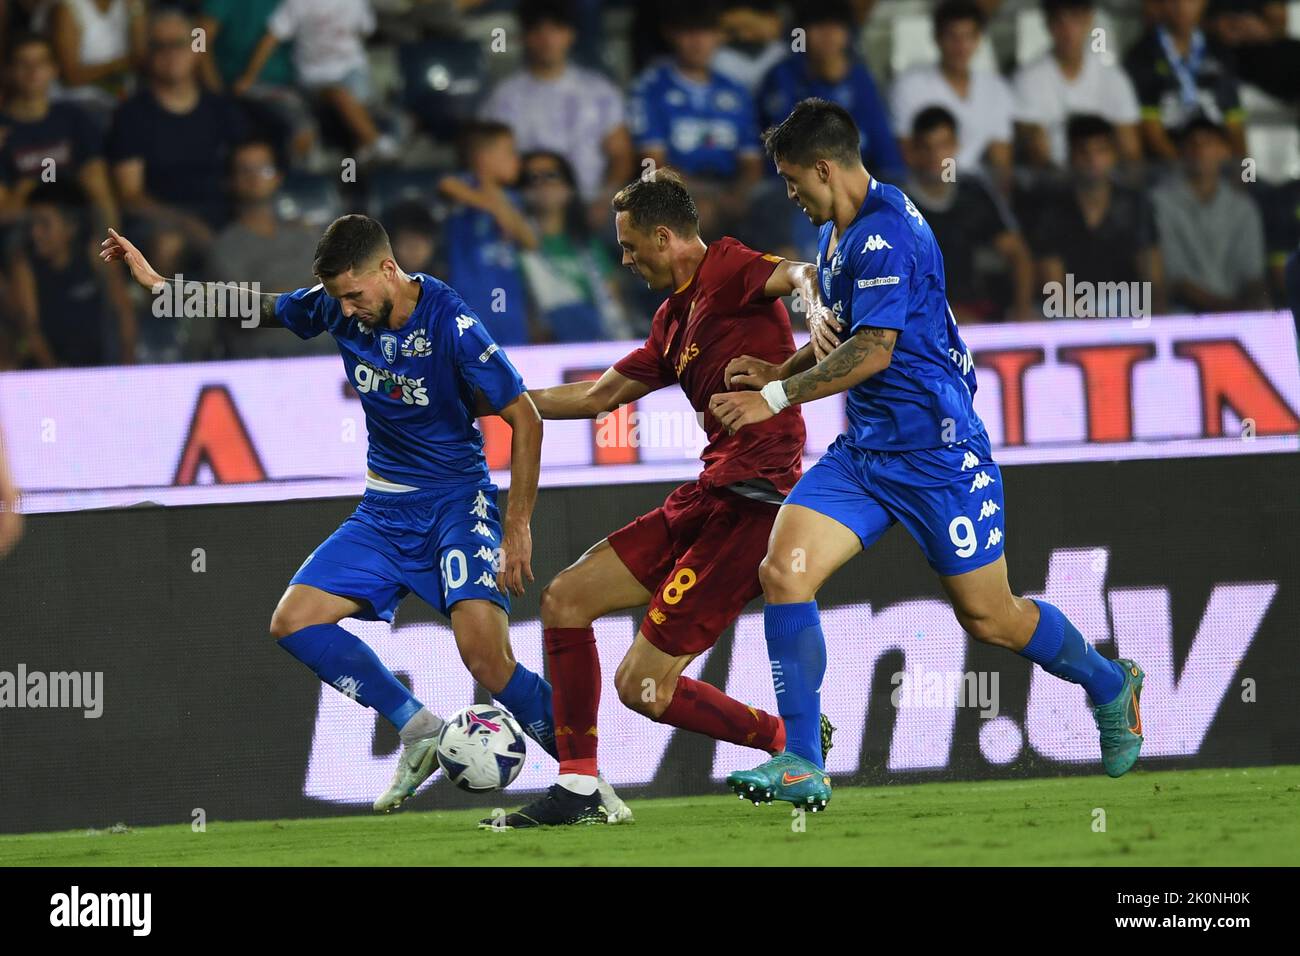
797	651
1058	648
528	697
345	662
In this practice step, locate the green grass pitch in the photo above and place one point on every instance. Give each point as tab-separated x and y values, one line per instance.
1243	817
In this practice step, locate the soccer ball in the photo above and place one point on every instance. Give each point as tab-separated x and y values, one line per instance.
481	749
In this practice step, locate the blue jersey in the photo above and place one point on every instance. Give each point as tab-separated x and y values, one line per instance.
791	80
417	384
701	126
886	272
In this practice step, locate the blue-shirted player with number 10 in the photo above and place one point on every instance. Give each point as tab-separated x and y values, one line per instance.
424	368
915	451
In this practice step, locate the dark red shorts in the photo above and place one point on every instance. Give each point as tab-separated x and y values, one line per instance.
698	556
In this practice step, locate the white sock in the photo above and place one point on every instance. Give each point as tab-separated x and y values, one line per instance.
578	783
423	723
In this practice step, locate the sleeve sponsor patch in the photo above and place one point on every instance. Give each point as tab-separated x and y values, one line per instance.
880	280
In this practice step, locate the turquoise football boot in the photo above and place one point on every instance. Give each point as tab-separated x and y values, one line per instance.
1120	723
788	777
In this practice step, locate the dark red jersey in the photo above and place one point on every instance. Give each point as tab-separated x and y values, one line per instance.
720	314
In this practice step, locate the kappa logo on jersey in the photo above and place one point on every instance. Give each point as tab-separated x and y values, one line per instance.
463	322
480	509
367	378
388	343
988	509
970	461
875	244
417	345
484	530
995	536
486	580
484	553
364	329
982	480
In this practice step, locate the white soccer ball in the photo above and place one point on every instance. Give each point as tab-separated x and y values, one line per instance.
481	748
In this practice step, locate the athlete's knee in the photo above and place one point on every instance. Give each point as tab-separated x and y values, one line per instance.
562	603
645	695
783	582
289	617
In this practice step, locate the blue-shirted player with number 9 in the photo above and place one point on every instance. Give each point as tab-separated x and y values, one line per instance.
915	452
424	367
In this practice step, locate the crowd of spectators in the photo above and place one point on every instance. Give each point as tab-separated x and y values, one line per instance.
489	137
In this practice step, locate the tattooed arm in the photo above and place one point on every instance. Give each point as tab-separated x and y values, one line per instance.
868	352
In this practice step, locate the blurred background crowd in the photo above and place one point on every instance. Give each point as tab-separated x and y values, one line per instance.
1142	141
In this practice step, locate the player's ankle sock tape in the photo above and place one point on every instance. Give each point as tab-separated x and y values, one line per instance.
343	661
704	709
575	674
1058	648
528	697
796	649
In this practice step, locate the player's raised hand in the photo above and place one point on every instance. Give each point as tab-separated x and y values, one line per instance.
517	561
737	409
117	247
749	372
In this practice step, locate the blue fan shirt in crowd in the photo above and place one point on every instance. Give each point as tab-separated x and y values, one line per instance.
703	127
790	81
417	384
887	272
483	265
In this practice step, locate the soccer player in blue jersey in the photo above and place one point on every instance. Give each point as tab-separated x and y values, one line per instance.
915	451
424	367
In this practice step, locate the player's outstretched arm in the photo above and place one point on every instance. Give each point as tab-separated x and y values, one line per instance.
588	399
867	353
118	248
525	464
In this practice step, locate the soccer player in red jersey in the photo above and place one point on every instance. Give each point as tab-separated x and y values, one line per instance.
695	559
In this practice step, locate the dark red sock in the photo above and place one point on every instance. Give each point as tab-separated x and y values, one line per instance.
575	688
706	710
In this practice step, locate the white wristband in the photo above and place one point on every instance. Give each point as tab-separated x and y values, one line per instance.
774	394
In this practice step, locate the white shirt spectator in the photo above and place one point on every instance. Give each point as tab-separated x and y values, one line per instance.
748	69
983	117
327	37
1046	98
571	115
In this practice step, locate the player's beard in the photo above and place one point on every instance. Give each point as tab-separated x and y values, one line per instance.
380	319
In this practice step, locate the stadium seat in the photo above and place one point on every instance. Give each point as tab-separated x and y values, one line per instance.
442	82
310	198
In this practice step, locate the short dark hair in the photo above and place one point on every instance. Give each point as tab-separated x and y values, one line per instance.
1052	7
252	142
348	242
533	13
683	15
477	134
955	11
26	39
659	198
931	118
827	11
1086	126
410	215
1200	123
815	129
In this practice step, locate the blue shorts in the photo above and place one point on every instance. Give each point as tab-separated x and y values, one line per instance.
442	545
949	499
